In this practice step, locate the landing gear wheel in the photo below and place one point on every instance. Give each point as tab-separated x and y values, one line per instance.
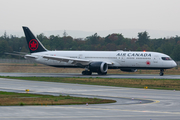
105	73
89	73
161	72
83	72
99	73
86	72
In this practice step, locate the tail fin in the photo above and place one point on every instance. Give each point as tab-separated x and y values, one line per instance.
33	43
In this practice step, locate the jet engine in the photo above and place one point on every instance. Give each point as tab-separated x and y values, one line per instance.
128	70
99	67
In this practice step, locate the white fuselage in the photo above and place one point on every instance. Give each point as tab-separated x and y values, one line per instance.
119	59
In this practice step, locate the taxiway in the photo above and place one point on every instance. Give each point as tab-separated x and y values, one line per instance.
139	76
147	104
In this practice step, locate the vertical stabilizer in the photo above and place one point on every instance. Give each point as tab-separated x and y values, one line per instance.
34	44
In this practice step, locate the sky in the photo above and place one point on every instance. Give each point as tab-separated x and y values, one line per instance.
159	17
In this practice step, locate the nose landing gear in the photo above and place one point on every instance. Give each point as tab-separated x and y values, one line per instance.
161	72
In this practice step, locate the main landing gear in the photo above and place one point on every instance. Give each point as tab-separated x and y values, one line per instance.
161	72
86	72
99	73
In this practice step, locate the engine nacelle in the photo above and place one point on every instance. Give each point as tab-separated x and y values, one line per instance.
128	70
99	67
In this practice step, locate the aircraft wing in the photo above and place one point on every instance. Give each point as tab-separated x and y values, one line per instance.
67	59
74	60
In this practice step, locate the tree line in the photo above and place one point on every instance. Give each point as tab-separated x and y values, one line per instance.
112	42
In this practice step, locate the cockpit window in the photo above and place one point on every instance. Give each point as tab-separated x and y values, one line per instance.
166	58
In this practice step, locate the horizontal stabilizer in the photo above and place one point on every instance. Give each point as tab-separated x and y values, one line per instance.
31	57
21	55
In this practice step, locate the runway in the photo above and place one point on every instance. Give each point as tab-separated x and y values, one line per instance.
138	76
148	104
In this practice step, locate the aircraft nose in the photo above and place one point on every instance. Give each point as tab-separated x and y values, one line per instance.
174	64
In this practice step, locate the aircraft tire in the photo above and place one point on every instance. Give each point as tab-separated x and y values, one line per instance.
161	74
89	73
86	72
99	73
83	72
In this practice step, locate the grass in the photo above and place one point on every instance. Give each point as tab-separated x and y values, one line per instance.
166	84
21	99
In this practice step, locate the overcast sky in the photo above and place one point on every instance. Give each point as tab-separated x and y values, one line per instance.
90	15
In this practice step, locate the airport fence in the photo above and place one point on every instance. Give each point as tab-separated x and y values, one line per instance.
24	61
29	61
178	63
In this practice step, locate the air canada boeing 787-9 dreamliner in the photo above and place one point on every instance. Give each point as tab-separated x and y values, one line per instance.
97	61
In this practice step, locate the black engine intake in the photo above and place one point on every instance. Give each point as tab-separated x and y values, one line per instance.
99	67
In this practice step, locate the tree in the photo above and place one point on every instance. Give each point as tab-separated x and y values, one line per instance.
93	39
5	35
41	37
65	33
176	53
143	38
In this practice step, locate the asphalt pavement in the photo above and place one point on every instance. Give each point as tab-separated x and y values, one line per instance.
138	76
132	103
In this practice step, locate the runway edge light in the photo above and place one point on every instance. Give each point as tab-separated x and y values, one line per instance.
27	90
145	87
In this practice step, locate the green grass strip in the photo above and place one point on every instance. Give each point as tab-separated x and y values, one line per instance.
16	99
165	84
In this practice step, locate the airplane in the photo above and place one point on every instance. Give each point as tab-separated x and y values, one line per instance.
96	61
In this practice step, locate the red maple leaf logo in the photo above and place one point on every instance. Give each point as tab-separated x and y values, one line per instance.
148	62
33	44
